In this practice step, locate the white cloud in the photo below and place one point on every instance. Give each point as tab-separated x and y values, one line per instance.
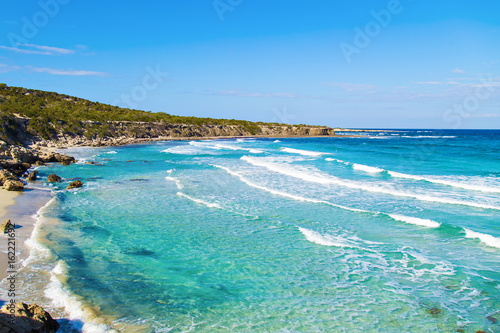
70	72
38	49
4	68
247	94
428	82
458	71
352	86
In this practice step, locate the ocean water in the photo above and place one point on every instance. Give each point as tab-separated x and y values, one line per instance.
391	231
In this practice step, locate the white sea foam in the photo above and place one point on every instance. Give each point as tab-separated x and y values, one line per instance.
316	177
37	250
208	204
111	152
446	182
484	238
303	152
415	220
251	150
62	297
276	141
428	136
177	181
366	168
181	150
329	159
284	194
466	186
326	240
357	166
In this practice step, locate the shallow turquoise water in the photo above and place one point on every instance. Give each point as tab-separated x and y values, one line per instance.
396	231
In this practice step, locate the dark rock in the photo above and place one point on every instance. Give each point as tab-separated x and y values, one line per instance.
492	319
65	162
138	180
129	161
6	226
6	175
13	185
75	184
52	178
32	176
39	163
434	311
24	318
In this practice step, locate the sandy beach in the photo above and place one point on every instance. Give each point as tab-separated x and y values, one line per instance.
19	207
6	199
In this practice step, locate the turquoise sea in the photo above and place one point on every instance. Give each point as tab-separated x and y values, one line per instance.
388	232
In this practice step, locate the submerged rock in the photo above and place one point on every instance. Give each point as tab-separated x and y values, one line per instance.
13	185
75	184
32	175
52	178
23	318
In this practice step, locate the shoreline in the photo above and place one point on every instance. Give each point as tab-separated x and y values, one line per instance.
21	211
53	146
7	200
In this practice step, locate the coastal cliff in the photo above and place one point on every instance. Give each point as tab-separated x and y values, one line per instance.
46	119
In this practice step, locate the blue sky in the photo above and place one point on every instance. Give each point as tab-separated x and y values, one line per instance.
351	63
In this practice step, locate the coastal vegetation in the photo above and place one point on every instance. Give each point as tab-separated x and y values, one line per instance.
51	113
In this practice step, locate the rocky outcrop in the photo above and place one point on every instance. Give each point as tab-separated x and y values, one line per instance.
52	178
75	184
32	175
17	160
6	175
13	185
10	182
6	226
24	318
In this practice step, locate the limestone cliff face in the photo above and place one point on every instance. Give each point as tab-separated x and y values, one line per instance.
126	132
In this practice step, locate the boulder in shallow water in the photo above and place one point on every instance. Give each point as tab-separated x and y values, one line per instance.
24	318
13	185
32	175
75	184
52	178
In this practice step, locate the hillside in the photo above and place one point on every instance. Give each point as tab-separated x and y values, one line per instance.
44	118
